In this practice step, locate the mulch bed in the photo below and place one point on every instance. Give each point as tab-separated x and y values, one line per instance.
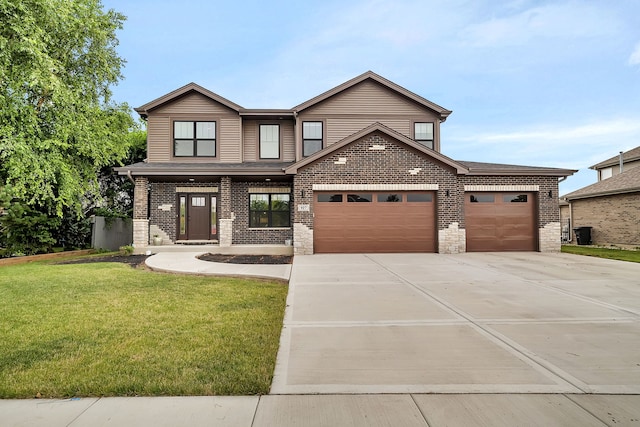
132	260
247	259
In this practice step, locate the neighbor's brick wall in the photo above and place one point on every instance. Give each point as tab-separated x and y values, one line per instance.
388	166
615	219
242	234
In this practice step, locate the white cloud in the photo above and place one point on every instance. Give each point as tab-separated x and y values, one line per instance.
553	21
634	59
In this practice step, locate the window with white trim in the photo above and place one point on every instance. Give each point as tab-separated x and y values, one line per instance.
269	141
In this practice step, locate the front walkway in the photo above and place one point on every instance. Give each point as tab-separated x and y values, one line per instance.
187	262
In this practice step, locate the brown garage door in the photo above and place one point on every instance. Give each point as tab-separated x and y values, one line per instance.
501	222
374	222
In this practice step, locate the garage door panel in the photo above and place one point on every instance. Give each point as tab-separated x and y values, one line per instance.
376	226
501	222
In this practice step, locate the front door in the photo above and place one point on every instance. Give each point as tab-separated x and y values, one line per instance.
197	217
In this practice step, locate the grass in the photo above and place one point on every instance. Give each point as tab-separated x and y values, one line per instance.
106	329
619	254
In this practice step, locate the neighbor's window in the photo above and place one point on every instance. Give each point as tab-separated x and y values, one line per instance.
269	210
269	141
194	139
311	138
423	133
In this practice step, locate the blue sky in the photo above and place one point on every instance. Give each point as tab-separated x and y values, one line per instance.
541	83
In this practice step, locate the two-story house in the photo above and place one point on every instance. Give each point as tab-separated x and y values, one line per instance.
611	206
358	168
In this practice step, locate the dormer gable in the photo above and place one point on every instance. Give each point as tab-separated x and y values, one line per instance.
185	92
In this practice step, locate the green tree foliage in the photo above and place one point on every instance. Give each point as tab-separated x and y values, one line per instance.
58	126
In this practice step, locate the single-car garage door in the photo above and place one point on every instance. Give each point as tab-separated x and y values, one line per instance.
500	222
374	222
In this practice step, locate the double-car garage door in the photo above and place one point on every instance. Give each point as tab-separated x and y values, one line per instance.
406	222
374	222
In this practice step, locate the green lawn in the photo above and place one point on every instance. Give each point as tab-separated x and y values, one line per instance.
619	254
106	329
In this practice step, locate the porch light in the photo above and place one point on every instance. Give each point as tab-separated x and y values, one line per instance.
550	194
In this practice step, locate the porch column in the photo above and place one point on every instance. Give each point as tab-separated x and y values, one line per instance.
225	235
141	213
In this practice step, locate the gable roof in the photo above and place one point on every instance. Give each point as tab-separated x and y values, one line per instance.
379	127
370	75
628	156
479	168
188	88
625	182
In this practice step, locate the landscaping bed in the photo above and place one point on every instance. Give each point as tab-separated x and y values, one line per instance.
247	259
132	260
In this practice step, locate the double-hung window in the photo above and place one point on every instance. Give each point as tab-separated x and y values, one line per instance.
269	210
423	133
269	141
194	139
311	138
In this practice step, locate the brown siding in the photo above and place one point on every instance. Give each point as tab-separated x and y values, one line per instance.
158	139
364	104
368	98
250	140
615	219
194	107
194	103
229	144
251	135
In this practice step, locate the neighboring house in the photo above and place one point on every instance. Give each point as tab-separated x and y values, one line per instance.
358	168
611	206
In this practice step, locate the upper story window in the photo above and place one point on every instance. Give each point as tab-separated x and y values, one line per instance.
311	138
269	141
423	133
194	139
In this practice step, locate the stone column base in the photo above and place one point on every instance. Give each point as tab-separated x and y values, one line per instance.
452	240
302	239
225	234
550	237
140	233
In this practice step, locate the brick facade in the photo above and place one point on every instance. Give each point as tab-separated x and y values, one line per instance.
242	233
614	218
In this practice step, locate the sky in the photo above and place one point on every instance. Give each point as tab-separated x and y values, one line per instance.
537	83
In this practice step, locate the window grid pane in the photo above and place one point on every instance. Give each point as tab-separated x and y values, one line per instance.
311	146
423	131
312	130
183	148
269	141
206	148
182	130
206	130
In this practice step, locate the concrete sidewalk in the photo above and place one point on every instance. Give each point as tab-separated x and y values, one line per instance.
434	410
188	263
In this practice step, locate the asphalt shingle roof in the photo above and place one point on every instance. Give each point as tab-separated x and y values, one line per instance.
626	182
628	156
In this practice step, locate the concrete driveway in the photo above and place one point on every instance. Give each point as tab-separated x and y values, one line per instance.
465	323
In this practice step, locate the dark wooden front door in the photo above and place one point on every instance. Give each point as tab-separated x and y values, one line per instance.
197	218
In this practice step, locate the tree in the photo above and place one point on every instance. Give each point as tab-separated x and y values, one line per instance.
58	125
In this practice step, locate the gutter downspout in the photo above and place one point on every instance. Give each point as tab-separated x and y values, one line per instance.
130	177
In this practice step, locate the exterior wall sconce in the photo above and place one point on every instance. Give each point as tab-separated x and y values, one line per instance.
447	193
302	193
550	194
